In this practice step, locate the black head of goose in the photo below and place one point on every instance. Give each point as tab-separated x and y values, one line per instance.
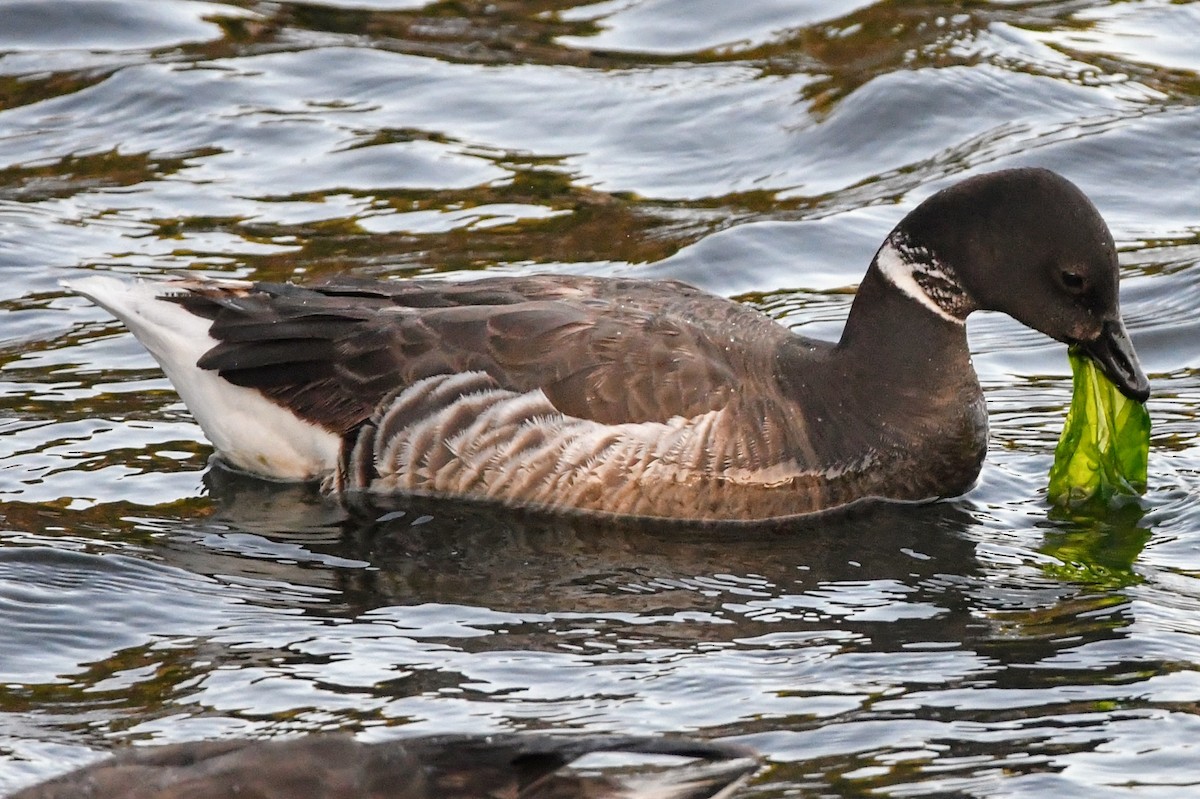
633	397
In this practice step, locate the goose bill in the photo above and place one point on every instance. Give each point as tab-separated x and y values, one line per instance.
1113	352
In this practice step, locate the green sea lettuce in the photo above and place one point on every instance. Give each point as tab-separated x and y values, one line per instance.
1105	443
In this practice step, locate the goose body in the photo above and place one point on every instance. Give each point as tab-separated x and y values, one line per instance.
633	397
336	766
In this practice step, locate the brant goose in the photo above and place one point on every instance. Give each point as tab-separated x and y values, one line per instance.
639	398
336	766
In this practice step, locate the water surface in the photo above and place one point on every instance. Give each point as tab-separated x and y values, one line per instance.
978	647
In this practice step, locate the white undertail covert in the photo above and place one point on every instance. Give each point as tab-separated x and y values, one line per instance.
246	428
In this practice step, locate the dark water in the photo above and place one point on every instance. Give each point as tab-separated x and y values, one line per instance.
980	647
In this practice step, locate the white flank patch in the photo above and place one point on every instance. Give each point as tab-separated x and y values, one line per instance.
246	428
899	269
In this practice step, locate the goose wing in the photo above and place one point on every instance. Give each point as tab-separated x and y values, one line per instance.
609	351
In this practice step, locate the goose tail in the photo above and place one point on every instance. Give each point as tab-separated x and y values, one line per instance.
249	431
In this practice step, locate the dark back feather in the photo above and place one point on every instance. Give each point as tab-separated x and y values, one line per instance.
610	351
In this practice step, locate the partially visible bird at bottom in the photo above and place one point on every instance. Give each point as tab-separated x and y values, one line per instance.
336	766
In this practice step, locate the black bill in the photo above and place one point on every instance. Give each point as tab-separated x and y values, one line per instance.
1113	351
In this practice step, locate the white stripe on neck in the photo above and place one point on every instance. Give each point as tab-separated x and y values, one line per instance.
897	268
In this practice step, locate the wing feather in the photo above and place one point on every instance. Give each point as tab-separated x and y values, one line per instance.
603	350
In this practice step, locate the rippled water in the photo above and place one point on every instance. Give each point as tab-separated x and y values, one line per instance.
980	647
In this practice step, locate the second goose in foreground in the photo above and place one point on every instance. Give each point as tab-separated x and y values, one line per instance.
633	397
336	766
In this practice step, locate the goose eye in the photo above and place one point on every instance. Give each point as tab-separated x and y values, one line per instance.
1071	281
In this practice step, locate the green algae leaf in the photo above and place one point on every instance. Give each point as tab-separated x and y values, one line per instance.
1105	443
1096	549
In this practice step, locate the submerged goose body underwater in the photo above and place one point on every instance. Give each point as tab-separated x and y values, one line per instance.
639	398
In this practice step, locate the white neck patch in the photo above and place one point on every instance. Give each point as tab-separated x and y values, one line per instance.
900	265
